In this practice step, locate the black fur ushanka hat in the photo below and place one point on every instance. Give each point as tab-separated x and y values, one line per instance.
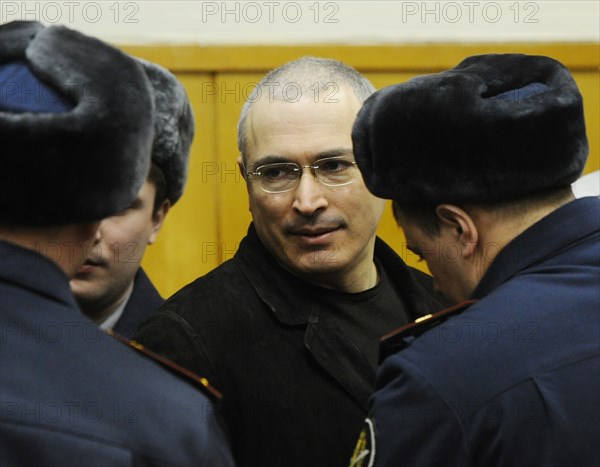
493	128
173	128
76	125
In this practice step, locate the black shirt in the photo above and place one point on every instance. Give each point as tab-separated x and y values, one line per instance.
365	316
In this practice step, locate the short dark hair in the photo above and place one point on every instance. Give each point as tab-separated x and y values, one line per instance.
157	177
425	217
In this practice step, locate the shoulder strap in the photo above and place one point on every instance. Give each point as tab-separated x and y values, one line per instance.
173	367
398	339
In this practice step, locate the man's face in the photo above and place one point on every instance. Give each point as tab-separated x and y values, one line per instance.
115	256
443	256
318	232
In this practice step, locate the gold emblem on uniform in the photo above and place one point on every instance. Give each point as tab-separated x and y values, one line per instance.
364	452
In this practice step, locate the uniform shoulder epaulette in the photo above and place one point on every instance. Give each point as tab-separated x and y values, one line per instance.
398	338
173	367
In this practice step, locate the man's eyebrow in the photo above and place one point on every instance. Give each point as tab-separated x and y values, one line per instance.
269	159
137	202
273	158
334	153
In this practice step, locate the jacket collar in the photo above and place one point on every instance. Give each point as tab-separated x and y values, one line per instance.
286	298
280	290
31	270
568	225
283	293
144	300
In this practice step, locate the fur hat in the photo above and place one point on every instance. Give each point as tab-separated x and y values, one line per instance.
77	137
493	128
173	128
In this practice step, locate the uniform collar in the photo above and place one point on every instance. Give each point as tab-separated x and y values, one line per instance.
559	230
29	269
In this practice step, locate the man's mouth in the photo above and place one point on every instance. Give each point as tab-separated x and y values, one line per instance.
92	262
89	265
313	231
315	235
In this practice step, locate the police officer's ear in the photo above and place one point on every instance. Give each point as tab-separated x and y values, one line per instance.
158	219
459	226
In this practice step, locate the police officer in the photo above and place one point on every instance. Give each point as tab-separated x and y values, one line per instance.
111	287
479	160
74	151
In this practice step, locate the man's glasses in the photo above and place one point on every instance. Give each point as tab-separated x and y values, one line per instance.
280	177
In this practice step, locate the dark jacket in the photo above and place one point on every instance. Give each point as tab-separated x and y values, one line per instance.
143	301
514	380
295	388
73	396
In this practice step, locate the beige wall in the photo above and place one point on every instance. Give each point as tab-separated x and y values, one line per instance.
317	22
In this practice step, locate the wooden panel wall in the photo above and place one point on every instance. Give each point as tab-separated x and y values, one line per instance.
205	227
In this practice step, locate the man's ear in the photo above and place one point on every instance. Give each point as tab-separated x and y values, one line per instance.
457	223
240	162
158	219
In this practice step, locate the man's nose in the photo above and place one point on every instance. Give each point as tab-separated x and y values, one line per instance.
310	194
98	235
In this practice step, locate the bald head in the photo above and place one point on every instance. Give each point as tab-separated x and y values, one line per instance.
318	79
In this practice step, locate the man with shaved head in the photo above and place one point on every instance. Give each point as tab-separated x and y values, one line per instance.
288	329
